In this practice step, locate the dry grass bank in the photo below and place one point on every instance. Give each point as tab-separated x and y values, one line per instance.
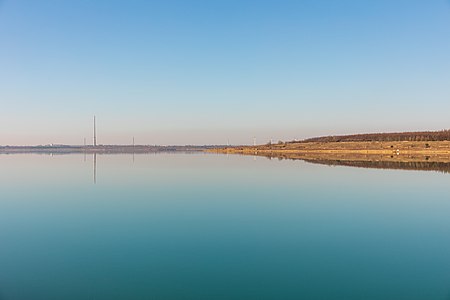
425	156
365	148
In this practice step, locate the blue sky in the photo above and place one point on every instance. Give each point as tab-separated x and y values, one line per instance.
204	72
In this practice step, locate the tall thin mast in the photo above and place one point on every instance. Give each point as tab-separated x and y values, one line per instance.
95	134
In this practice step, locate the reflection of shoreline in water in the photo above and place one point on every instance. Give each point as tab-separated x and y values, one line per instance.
442	167
394	162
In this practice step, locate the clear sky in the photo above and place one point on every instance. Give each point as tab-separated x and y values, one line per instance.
203	72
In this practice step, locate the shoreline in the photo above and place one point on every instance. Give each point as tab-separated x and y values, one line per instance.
399	152
102	149
343	148
420	156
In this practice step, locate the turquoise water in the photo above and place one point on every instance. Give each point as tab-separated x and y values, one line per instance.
204	226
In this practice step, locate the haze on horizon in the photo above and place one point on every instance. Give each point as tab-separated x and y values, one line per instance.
205	72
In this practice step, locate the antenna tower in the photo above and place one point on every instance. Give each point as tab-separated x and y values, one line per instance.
95	134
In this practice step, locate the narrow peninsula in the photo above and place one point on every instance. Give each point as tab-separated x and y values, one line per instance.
406	150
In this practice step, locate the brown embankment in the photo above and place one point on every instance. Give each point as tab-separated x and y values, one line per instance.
345	148
426	156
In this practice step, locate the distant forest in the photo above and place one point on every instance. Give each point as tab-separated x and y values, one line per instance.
425	136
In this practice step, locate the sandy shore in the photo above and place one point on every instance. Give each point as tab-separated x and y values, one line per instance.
345	148
433	156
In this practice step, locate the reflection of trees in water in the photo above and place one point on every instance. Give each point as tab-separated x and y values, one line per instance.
358	162
443	167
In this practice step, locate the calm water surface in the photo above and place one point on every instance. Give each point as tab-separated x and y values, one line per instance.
204	226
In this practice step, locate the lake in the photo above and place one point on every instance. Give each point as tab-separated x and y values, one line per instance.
209	226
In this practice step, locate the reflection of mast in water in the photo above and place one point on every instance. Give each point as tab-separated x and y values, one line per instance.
95	168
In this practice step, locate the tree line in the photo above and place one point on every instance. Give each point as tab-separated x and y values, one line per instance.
424	136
